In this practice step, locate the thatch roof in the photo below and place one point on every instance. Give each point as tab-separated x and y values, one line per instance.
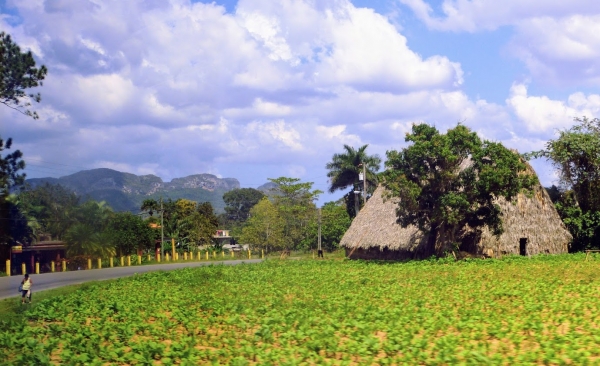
534	218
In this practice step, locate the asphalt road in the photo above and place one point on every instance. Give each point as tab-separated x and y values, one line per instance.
46	281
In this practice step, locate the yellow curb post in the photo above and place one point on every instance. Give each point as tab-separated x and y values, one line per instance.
249	254
23	268
64	265
185	256
37	267
223	253
8	267
139	259
231	251
173	248
214	255
262	253
167	257
128	261
110	262
176	256
122	262
207	255
158	257
99	263
89	263
149	258
52	266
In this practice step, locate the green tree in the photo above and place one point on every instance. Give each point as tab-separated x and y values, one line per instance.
129	233
238	203
53	206
294	201
449	182
264	227
12	225
18	73
335	221
344	170
87	235
576	156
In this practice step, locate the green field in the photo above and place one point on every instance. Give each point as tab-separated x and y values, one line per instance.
541	310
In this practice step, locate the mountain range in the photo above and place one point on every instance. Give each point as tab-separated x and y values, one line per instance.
126	191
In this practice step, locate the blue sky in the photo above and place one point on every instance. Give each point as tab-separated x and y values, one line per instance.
257	89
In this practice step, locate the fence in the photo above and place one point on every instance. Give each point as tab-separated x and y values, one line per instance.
81	263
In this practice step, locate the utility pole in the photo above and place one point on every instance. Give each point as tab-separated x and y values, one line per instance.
365	182
162	232
320	250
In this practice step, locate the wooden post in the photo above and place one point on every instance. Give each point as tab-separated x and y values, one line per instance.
89	263
110	262
8	267
64	265
99	263
173	247
52	266
23	269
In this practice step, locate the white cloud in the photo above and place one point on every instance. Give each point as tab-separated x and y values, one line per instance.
559	41
542	114
174	88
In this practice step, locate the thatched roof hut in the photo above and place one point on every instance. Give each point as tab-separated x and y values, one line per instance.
531	226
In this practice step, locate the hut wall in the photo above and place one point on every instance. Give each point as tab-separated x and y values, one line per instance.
531	218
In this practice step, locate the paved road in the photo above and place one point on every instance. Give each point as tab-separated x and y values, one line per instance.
46	281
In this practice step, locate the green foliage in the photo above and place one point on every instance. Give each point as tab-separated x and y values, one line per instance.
449	182
17	73
294	201
128	233
335	221
238	203
495	312
265	227
576	156
344	170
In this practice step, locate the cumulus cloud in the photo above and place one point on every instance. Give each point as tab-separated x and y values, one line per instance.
541	114
558	41
275	88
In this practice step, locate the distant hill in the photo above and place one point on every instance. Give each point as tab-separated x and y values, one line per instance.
126	191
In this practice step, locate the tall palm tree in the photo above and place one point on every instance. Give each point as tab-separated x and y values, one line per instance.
344	170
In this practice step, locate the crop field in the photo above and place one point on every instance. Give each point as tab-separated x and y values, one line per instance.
541	310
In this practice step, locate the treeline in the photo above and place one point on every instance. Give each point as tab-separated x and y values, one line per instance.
91	228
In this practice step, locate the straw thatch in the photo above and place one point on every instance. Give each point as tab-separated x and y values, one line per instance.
531	224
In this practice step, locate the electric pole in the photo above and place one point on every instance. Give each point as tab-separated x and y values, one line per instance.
162	232
365	182
320	250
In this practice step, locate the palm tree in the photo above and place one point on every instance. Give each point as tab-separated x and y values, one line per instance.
344	170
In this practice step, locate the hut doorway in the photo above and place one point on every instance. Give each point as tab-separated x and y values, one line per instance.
523	246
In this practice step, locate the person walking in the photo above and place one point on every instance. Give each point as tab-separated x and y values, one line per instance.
26	289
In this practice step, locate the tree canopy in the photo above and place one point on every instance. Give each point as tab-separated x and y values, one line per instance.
344	170
238	203
18	73
449	182
576	156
